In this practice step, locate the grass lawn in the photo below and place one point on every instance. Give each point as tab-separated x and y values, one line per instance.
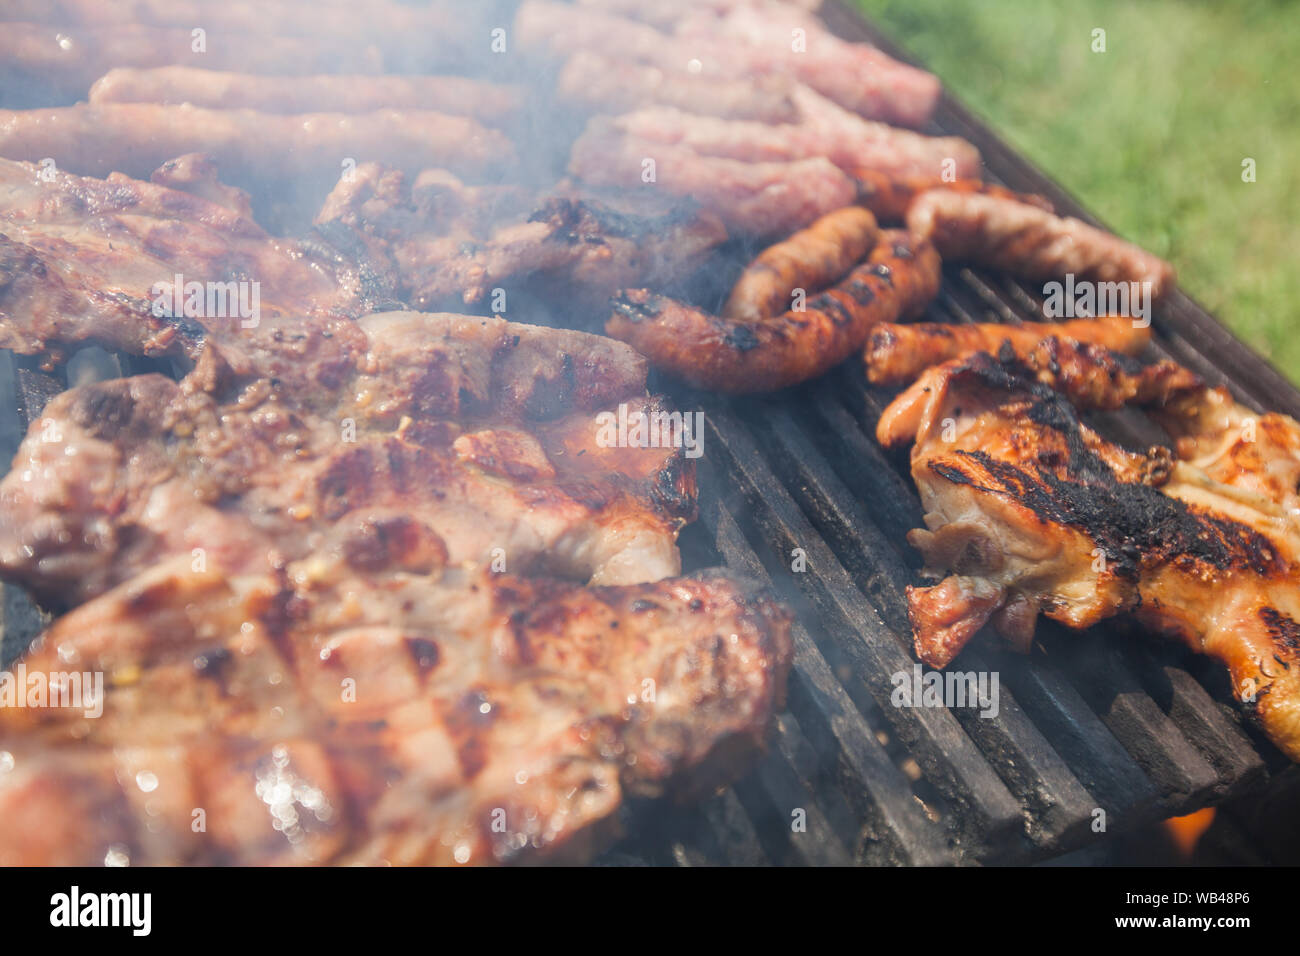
1151	134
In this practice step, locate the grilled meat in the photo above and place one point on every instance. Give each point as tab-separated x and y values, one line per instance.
897	354
824	129
889	197
57	63
734	355
493	104
389	23
1029	511
85	260
196	174
605	84
1090	376
300	570
667	14
486	431
135	138
1231	452
54	51
744	43
756	199
345	712
810	260
857	76
443	242
1030	242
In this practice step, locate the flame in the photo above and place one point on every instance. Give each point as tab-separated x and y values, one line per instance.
1186	831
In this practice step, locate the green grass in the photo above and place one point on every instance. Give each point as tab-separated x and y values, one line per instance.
1149	135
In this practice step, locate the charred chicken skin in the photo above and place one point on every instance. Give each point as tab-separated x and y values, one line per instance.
1029	511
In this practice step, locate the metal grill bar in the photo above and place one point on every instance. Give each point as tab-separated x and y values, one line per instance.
880	793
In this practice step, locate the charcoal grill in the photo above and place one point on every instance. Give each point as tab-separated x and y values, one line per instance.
1090	723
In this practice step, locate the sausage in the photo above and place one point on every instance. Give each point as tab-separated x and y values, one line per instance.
1030	242
811	259
731	355
889	197
897	354
492	104
136	138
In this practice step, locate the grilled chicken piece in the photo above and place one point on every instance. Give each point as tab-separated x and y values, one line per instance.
1235	447
1029	511
135	138
442	241
355	707
1030	242
598	83
486	431
809	260
493	104
733	355
82	260
897	354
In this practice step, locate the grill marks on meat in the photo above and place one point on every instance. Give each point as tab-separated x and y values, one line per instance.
483	430
135	138
897	354
1029	511
338	674
735	355
1029	241
493	104
80	257
442	241
479	699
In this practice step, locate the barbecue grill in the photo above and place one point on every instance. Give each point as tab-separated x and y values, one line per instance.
1096	733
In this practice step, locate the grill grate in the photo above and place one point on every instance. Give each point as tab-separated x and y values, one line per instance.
1091	721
